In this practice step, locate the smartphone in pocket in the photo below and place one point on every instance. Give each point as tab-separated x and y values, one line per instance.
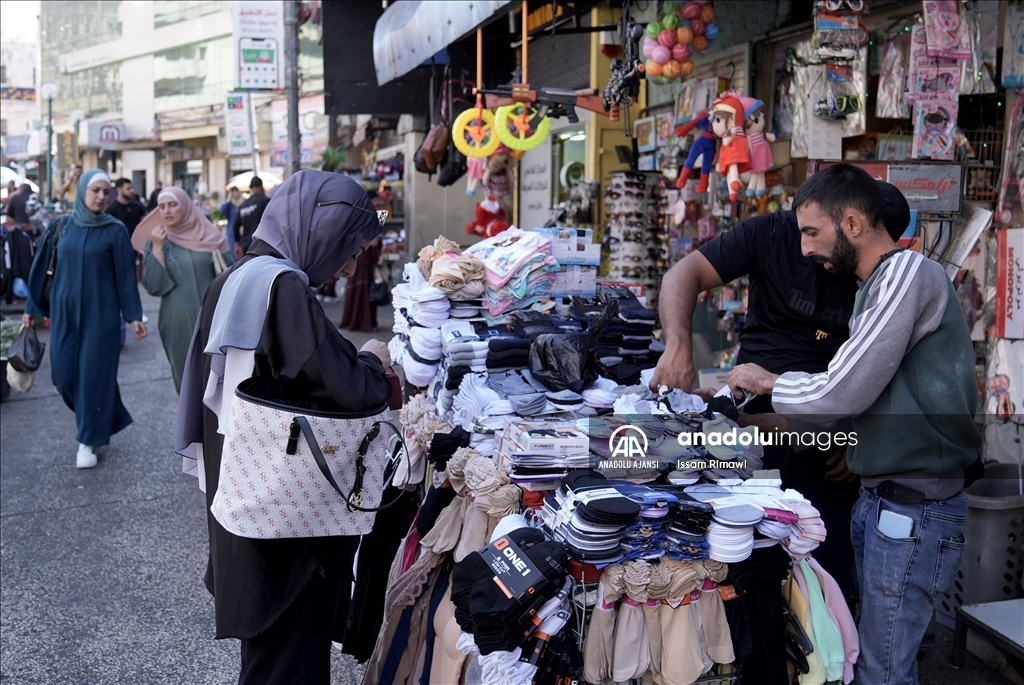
895	526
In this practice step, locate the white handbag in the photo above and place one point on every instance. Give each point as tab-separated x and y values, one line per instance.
289	472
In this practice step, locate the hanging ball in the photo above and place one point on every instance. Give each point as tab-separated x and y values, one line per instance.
653	69
653	29
700	43
691	10
698	27
686	68
671	7
672	69
648	47
667	38
661	54
684	35
707	14
680	52
670	22
712	32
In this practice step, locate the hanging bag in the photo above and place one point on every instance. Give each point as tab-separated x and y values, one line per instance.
26	353
290	472
455	164
380	290
51	267
435	144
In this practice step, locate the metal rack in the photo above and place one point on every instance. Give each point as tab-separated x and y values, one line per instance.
982	162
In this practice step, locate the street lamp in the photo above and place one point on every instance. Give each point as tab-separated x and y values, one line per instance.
49	91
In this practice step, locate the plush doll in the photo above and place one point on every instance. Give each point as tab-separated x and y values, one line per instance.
497	179
734	157
703	148
474	174
489	220
761	159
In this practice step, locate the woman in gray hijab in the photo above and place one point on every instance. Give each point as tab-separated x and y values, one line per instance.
261	319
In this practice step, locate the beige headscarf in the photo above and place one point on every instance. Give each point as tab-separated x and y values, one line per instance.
194	231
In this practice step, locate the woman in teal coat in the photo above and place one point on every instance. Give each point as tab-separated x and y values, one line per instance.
182	254
93	287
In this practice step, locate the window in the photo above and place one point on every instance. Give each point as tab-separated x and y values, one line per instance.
568	156
173	11
193	75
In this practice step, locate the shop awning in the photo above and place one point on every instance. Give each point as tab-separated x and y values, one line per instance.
410	32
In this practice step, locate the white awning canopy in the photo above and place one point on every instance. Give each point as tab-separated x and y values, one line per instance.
410	32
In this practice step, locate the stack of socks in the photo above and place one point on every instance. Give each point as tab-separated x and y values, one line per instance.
590	516
688	530
507	352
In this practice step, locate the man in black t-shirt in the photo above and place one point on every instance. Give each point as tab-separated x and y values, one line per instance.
16	205
124	206
797	316
250	213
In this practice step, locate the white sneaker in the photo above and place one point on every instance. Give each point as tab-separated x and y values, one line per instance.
86	457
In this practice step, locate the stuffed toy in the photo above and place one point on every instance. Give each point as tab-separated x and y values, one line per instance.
703	148
734	158
761	159
489	220
497	178
474	174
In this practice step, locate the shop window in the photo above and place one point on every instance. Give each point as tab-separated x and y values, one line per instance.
568	159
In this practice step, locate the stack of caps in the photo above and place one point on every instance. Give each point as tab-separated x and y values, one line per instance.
589	516
687	533
496	621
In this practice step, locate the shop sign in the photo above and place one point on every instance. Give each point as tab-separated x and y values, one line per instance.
105	135
12	93
1009	321
258	44
311	120
67	150
238	124
929	188
16	145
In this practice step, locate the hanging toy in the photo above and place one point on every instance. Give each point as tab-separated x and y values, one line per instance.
761	159
734	156
497	178
474	174
521	126
703	149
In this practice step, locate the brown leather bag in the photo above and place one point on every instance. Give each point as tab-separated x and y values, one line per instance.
435	144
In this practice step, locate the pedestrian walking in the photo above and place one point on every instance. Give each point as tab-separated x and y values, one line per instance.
153	201
230	211
124	206
69	191
360	314
250	213
261	320
182	254
16	205
93	287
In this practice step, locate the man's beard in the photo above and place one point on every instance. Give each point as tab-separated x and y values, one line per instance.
845	255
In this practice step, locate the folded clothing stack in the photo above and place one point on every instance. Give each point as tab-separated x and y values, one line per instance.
687	534
466	309
637	322
809	531
520	269
507	352
420	311
496	621
590	516
531	324
526	395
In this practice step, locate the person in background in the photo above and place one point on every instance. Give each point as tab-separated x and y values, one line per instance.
69	191
906	376
230	211
12	188
180	259
93	287
278	596
154	195
16	205
359	314
124	206
250	213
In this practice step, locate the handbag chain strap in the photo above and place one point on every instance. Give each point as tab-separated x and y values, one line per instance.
57	230
301	425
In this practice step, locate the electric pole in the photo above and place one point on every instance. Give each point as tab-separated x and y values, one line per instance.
291	57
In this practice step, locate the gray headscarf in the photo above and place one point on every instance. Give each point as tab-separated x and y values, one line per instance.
318	239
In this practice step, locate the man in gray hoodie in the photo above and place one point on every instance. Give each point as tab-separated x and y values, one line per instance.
906	376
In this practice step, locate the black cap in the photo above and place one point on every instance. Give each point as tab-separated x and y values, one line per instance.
897	211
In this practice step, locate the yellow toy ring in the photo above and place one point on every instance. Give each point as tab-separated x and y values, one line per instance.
474	133
515	123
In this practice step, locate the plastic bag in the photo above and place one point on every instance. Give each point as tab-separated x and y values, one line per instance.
20	381
26	353
563	361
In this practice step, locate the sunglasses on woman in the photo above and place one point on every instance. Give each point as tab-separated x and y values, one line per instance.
382	214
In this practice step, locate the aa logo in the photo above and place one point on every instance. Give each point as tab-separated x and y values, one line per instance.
628	442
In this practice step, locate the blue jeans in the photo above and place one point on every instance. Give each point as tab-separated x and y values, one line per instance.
899	581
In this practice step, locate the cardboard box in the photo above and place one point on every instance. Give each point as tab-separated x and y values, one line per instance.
1009	321
575	280
556	438
573	245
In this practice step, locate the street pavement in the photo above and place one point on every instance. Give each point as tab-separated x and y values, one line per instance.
101	570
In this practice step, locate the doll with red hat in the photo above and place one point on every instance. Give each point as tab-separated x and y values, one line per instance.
734	155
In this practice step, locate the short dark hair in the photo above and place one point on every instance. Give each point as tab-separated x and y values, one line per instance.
842	187
122	182
25	186
256	182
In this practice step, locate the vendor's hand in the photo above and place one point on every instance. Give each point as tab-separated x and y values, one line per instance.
752	378
379	350
674	370
159	236
28	321
704	393
140	329
840	471
238	252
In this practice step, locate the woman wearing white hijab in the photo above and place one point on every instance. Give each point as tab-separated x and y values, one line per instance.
261	319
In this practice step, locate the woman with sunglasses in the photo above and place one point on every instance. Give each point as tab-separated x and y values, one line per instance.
261	319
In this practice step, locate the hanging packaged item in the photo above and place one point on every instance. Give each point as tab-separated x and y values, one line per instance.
1013	59
977	74
891	102
945	30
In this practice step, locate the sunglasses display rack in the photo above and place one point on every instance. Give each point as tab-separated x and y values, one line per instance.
634	240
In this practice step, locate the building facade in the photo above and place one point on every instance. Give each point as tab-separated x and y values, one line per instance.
19	104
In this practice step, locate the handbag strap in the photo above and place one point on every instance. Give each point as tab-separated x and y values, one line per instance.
51	268
300	424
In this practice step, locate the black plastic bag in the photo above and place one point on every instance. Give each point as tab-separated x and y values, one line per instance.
380	293
563	361
26	353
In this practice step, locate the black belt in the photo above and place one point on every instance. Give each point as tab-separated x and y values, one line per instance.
898	493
